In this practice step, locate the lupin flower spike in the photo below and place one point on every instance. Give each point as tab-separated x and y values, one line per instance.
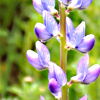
41	5
57	78
84	97
47	30
86	75
76	38
41	59
76	4
42	98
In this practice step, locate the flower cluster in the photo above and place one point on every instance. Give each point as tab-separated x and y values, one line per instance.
75	39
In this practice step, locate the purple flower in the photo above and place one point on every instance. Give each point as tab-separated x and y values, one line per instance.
47	30
76	37
42	98
86	75
41	5
41	59
84	97
57	78
77	4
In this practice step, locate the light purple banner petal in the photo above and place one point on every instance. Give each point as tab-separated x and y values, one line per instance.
78	34
69	28
49	2
38	6
43	53
50	23
83	65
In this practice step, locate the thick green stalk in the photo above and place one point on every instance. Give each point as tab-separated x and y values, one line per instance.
63	51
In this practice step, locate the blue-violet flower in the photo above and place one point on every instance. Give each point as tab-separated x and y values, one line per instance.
86	75
76	4
41	59
47	30
76	39
57	78
41	5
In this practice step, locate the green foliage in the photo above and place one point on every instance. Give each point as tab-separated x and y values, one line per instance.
17	20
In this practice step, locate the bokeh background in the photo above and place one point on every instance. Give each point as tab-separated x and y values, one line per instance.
18	79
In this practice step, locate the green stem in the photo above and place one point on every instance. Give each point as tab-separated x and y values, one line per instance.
63	51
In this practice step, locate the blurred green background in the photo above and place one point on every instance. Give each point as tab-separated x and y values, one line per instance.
18	79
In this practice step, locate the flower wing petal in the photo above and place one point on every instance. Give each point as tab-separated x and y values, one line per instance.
33	60
41	32
54	87
85	4
86	44
82	69
93	74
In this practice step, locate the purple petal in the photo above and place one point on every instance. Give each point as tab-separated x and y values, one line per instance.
75	4
51	71
38	6
85	4
54	87
57	73
41	5
60	75
86	44
93	74
69	28
42	98
78	34
49	2
43	53
83	65
84	97
41	32
50	23
33	60
82	69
